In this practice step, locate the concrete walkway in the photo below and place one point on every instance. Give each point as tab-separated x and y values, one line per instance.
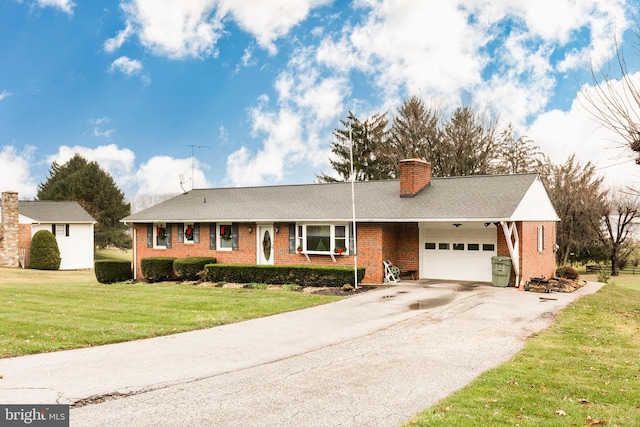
372	359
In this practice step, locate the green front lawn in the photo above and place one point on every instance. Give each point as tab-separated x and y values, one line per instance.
45	311
584	370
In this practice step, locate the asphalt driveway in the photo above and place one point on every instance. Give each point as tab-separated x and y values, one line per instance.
373	359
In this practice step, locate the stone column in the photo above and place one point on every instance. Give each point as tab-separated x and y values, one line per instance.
9	233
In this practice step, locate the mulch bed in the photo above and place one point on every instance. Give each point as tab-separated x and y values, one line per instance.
346	290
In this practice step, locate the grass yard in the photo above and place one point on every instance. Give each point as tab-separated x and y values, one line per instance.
582	371
46	311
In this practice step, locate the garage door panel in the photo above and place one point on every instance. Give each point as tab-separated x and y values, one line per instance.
457	254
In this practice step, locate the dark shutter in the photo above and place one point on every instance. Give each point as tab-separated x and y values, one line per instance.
196	232
168	233
292	237
149	235
234	236
53	229
352	239
212	236
66	230
180	233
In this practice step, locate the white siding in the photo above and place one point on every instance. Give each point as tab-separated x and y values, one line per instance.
76	250
535	205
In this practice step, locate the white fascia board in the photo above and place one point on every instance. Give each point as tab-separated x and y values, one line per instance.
535	205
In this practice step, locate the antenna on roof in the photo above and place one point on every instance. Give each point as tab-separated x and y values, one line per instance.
182	181
193	147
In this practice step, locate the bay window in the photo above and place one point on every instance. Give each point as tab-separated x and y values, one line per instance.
323	238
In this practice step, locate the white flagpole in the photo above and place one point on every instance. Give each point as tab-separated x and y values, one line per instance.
353	210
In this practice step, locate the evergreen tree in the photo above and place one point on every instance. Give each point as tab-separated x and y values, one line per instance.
95	190
468	145
517	155
369	139
414	133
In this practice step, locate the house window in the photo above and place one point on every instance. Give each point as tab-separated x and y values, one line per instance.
458	246
540	238
443	246
429	245
225	241
60	230
188	233
323	238
473	247
160	235
488	247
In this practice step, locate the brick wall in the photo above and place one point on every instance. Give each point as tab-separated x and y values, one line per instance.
537	264
532	262
415	174
375	243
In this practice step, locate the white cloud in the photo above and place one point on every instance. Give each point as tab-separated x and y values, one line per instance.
463	49
176	29
126	65
294	130
191	29
561	134
4	94
16	171
269	20
113	44
161	175
64	5
98	128
118	162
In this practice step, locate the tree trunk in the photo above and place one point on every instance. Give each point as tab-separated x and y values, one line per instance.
615	271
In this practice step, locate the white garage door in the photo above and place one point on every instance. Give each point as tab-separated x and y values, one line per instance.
462	253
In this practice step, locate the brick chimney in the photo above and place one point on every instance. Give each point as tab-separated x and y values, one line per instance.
9	230
415	175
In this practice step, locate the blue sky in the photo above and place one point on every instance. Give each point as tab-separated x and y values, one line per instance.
255	88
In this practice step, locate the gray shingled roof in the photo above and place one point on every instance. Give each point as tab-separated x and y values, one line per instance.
54	211
466	198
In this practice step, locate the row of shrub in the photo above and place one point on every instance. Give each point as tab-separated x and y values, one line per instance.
112	270
278	274
158	269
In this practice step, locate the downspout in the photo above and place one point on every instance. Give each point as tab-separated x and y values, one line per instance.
135	247
513	244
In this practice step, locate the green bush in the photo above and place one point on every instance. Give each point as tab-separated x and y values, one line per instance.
112	270
189	267
279	274
157	269
567	272
44	253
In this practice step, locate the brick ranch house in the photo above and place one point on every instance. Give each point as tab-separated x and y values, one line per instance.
68	221
439	228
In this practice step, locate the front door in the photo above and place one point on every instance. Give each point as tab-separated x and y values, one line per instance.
265	244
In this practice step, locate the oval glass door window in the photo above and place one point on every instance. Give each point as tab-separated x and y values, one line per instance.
266	245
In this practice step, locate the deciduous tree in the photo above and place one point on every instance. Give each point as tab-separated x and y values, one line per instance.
579	199
616	222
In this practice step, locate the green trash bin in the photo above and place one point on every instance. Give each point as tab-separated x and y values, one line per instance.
501	270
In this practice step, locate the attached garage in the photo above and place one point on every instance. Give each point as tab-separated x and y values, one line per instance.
460	251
